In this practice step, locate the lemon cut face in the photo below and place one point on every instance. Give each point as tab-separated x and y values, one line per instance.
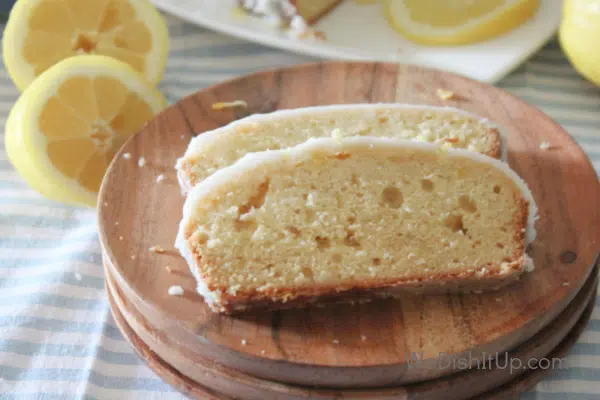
68	125
39	33
456	22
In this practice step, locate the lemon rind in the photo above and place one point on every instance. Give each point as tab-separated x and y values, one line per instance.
508	17
21	72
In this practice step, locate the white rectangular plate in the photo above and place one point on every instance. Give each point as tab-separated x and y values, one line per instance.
360	32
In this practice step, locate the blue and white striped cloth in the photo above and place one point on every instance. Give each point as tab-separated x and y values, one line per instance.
57	336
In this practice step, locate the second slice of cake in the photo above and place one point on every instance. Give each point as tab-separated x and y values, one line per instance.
354	218
281	129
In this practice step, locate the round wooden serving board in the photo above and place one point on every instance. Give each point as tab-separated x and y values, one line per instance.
202	379
349	346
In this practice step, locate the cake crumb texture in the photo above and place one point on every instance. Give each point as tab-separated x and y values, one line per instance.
323	220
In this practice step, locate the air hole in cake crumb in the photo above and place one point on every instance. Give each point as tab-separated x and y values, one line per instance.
467	204
392	197
499	245
269	267
323	242
506	259
257	200
342	156
270	270
383	120
307	272
310	216
376	261
350	240
427	185
354	179
305	196
503	229
297	211
455	223
351	220
496	189
245	225
201	238
455	261
336	257
293	230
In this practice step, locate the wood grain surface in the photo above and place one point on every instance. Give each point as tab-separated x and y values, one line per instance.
202	378
349	346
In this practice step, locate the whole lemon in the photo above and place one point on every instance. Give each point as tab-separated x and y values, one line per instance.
579	36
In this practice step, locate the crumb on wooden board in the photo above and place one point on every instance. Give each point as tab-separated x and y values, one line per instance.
156	249
224	105
175	290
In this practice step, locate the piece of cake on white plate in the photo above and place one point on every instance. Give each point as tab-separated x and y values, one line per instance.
353	219
282	12
210	151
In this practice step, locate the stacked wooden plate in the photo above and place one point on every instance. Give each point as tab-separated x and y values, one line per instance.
416	347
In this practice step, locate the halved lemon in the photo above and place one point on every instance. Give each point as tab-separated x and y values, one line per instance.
579	36
68	124
455	22
39	33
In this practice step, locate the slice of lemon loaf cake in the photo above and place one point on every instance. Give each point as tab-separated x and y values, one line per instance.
221	147
354	218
